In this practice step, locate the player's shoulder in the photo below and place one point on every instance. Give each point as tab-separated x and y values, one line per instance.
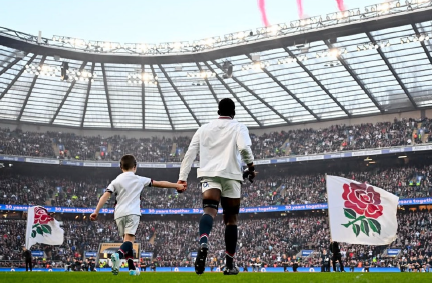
142	177
239	125
144	180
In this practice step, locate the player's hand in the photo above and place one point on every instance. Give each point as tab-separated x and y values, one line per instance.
249	175
93	216
182	186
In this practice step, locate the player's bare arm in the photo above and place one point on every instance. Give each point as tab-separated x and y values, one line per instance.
165	184
104	198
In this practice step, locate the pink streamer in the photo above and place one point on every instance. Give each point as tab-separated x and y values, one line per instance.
300	9
341	5
261	5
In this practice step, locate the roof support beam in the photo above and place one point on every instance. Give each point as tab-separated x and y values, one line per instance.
392	70
208	84
9	65
16	77
143	102
356	78
287	91
422	43
234	95
30	90
163	99
179	94
87	96
107	94
255	95
318	82
66	96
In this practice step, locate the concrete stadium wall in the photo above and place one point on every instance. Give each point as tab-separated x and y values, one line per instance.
140	134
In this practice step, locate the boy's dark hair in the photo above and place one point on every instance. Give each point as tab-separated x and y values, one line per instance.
226	107
127	162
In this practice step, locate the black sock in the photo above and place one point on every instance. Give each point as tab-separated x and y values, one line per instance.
131	264
205	226
230	243
125	249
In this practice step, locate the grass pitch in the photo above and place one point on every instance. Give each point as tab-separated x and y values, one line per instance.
96	277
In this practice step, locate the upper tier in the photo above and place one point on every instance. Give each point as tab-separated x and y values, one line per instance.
290	143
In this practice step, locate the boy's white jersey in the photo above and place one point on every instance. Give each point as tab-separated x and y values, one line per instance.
222	144
127	189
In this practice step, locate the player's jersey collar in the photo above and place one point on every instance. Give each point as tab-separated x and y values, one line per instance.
225	117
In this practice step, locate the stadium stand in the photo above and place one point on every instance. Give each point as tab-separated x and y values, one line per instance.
160	149
405	182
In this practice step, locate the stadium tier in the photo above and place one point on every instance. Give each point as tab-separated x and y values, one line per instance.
337	138
407	182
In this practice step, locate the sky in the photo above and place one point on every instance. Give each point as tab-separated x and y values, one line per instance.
144	21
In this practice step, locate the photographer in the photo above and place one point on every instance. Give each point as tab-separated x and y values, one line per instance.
295	264
253	264
258	264
325	262
92	264
144	264
85	265
68	265
245	267
366	266
212	264
77	265
403	264
153	266
285	263
352	265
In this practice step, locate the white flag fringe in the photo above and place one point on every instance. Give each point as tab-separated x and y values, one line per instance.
42	228
360	213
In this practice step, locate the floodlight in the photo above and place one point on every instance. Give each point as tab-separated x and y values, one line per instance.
64	70
228	68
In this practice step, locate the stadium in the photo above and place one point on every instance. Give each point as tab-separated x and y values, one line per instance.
345	94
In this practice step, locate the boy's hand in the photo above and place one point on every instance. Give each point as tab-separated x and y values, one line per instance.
93	216
182	186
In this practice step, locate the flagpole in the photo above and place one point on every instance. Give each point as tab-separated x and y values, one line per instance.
28	228
328	208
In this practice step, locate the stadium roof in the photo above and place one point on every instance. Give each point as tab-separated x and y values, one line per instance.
361	62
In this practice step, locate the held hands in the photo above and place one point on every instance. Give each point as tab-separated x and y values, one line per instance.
182	186
93	216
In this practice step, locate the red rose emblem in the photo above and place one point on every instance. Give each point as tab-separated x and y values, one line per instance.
41	216
362	199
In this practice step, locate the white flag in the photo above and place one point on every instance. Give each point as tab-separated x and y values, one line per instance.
42	228
360	213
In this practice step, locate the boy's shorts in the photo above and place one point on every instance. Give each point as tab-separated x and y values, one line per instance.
229	188
127	224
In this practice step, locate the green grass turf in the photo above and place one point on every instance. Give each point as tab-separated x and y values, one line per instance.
105	277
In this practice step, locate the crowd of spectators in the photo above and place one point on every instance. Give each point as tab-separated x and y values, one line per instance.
153	149
283	189
22	143
274	144
341	138
269	239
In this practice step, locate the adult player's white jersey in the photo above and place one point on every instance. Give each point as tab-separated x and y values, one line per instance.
127	189
222	144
